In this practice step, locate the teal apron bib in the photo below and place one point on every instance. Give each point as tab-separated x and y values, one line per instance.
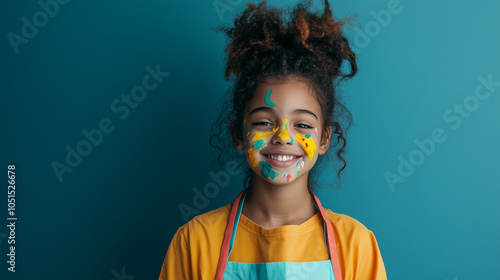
317	270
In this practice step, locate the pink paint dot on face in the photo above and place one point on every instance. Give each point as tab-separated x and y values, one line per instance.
288	177
316	132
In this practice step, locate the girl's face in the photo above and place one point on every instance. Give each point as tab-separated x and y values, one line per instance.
282	131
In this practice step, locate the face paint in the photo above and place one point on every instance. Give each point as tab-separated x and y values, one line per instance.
284	134
307	143
249	131
259	135
301	162
259	144
316	132
267	170
258	140
267	99
251	153
252	157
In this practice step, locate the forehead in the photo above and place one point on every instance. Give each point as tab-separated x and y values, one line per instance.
286	97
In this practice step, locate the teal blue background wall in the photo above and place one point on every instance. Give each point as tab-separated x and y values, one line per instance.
113	216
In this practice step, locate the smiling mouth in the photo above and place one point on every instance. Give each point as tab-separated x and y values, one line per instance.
282	158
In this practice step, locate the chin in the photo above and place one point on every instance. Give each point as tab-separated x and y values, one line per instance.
278	181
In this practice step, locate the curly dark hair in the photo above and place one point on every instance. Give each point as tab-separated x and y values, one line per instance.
263	46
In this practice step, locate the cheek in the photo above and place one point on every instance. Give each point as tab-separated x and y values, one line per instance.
299	166
250	146
254	142
259	144
267	170
308	144
257	140
247	138
251	156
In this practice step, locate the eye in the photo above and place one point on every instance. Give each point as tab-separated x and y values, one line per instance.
262	123
303	125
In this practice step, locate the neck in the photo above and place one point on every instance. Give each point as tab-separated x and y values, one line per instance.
272	206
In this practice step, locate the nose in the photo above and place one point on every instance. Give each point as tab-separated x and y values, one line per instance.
282	136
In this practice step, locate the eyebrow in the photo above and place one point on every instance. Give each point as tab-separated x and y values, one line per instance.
296	111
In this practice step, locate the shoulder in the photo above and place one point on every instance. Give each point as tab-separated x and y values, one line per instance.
194	250
219	215
209	223
357	247
344	220
348	227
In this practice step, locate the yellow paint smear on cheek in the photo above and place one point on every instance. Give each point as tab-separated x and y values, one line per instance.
307	143
259	135
252	157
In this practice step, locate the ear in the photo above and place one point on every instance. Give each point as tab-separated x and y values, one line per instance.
236	142
325	141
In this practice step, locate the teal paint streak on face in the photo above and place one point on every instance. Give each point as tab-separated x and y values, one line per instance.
267	100
308	135
291	140
298	173
259	144
298	163
284	174
267	170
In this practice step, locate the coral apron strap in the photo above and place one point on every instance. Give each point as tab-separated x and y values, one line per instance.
221	267
332	247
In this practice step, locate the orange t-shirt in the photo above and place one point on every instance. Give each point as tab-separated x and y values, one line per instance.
195	248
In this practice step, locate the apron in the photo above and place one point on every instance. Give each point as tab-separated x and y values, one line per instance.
318	270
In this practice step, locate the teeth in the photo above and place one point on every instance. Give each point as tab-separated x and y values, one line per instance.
280	157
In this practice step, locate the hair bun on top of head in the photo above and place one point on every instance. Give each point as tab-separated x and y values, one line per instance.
261	32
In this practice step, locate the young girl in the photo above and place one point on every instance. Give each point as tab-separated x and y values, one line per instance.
281	113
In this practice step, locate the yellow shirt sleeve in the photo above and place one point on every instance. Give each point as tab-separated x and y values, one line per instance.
370	264
359	254
177	264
